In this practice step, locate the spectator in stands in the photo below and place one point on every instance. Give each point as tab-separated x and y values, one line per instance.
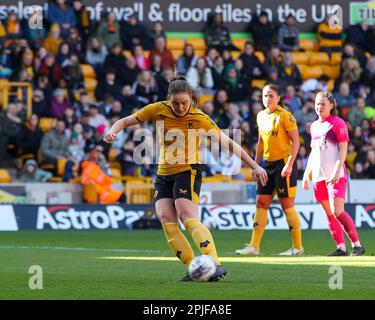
368	75
369	40
63	14
370	165
211	55
200	78
245	78
186	60
292	99
34	36
163	82
58	104
167	60
157	31
55	144
216	35
233	85
109	30
356	116
40	54
306	114
5	62
30	137
12	26
221	106
73	74
209	109
10	125
356	34
227	57
288	36
31	173
26	64
108	86
131	72
113	109
76	153
329	36
273	59
345	100
263	32
63	55
128	100
358	172
274	77
288	71
96	119
70	119
143	62
156	67
145	88
83	19
133	33
352	51
96	54
53	40
357	138
251	62
115	61
39	104
76	44
217	71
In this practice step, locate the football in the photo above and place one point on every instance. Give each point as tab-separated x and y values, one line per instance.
201	268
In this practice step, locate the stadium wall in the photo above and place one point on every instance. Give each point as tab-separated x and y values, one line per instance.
190	15
127	217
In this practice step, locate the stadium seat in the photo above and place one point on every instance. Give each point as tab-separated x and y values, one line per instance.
127	53
310	72
301	57
260	56
113	153
333	72
175	43
239	43
5	176
88	71
331	84
90	84
204	98
197	43
47	124
247	172
307	44
138	192
200	53
319	58
258	83
336	58
177	53
235	54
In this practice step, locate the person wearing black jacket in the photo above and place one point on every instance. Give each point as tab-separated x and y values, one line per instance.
251	62
116	62
30	137
134	33
108	86
263	32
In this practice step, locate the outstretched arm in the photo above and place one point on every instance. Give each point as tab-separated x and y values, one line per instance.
118	126
259	172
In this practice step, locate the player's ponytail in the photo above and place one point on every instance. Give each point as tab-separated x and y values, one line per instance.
179	84
329	96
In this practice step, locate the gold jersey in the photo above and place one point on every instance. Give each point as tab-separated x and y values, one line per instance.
273	128
178	136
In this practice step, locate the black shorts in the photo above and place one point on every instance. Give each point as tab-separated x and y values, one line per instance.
285	187
186	184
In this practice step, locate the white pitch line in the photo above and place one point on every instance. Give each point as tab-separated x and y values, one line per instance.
77	249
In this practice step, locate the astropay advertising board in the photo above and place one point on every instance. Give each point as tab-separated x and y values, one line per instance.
114	217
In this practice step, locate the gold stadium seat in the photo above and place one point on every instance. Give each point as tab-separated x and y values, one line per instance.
197	43
301	57
175	43
239	43
47	124
204	98
319	58
90	84
307	44
235	54
113	153
177	53
336	58
200	53
5	176
310	72
331	84
260	56
88	71
127	53
333	72
258	83
139	192
247	172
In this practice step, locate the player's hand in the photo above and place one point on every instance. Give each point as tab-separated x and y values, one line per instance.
110	137
335	178
305	183
287	171
261	175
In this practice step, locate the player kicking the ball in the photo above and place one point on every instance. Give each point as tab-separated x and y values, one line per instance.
329	145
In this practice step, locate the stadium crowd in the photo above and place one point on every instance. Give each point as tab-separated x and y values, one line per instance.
51	60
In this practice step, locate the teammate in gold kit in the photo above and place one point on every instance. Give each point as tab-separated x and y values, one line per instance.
278	144
178	180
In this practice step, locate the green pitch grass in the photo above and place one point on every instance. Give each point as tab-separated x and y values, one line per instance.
139	265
